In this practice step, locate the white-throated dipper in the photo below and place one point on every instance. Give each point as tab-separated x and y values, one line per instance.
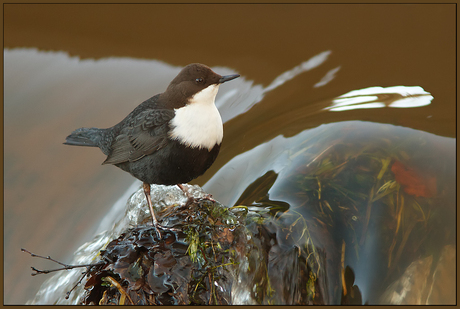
169	139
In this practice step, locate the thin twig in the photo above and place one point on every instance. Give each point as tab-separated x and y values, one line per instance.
66	266
43	257
67	295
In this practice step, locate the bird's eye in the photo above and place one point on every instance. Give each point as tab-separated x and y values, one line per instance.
199	80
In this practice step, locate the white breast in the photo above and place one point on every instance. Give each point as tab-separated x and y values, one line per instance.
198	124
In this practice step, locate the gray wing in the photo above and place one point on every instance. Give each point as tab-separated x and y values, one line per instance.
143	135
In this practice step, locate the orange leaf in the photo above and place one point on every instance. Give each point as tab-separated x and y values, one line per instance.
413	182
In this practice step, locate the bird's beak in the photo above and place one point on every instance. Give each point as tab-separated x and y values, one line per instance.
226	78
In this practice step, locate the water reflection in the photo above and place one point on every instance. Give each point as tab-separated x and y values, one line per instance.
330	75
341	178
378	97
245	95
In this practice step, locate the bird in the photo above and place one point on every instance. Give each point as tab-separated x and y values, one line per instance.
170	138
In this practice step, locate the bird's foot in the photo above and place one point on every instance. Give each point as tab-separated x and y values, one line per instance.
159	227
209	198
191	198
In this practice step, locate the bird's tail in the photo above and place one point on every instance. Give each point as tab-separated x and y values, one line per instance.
90	137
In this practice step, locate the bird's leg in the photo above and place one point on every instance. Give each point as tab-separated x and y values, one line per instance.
190	197
149	201
154	219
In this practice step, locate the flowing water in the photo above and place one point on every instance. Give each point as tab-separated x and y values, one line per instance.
323	89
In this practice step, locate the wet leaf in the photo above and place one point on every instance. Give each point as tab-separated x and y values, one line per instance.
413	182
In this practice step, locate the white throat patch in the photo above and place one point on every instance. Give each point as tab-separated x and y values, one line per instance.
198	124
